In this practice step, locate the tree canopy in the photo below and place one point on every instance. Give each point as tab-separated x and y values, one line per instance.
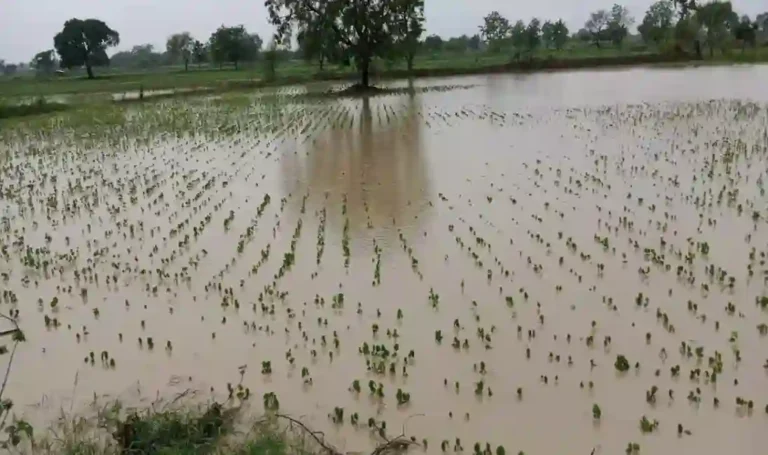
746	32
559	34
518	35
717	20
533	35
84	43
433	43
234	45
180	47
44	62
142	56
365	30
410	27
317	40
619	21
495	29
657	22
597	24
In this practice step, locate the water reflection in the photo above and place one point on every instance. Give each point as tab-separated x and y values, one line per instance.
372	154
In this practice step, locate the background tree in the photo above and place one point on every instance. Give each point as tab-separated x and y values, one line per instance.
495	30
179	47
410	24
762	26
533	35
9	69
746	33
433	43
547	34
316	40
474	42
366	29
657	23
597	24
142	56
685	8
270	61
199	52
559	34
44	62
252	44
717	20
518	36
457	44
619	21
583	35
229	44
84	43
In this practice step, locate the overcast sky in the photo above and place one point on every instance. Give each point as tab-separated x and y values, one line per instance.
28	26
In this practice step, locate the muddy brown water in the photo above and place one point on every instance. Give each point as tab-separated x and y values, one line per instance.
481	195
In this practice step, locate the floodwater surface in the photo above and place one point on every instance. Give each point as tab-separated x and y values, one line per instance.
530	261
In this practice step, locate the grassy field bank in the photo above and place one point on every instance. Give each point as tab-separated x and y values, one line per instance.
296	72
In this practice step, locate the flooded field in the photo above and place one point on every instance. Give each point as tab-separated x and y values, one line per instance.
554	263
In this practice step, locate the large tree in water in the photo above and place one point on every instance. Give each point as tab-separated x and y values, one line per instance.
366	29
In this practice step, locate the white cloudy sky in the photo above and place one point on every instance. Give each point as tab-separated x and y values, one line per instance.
28	26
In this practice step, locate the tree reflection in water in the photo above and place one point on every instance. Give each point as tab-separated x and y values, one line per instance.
375	157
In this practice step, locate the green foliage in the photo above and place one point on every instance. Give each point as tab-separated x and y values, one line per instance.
365	30
271	403
704	246
40	106
746	32
267	443
410	26
618	25
717	20
270	63
559	34
172	431
180	46
199	52
657	23
533	34
596	411
15	431
402	397
44	62
233	45
139	57
495	29
648	426
433	43
621	364
596	25
518	35
84	43
316	40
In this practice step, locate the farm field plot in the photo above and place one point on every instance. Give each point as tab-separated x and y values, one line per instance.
553	263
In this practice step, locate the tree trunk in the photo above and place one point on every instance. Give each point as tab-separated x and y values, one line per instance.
711	51
88	69
697	46
186	65
235	65
364	68
409	60
321	63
